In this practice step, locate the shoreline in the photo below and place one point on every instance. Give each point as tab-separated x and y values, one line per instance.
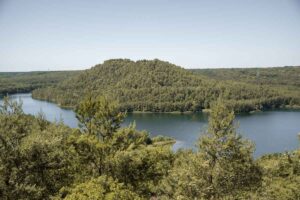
203	111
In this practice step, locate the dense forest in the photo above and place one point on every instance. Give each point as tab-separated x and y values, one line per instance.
278	76
158	86
18	82
40	160
285	79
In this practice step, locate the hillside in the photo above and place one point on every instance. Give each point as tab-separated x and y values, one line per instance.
18	82
285	80
158	86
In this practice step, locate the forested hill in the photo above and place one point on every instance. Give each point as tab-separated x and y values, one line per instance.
158	86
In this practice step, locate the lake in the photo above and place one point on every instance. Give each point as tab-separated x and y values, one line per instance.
271	131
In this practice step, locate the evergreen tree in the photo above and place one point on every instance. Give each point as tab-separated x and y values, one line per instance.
99	116
231	166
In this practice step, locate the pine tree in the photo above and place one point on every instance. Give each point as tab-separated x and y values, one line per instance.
231	166
99	116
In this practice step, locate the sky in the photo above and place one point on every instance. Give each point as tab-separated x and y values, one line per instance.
40	35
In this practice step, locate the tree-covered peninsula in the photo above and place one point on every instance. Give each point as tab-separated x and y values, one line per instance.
158	86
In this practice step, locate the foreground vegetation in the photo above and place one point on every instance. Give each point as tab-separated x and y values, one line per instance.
100	160
19	82
157	86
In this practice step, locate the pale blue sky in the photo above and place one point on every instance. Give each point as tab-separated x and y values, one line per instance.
71	34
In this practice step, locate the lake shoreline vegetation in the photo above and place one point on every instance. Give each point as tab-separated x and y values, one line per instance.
159	86
24	82
102	160
205	110
162	92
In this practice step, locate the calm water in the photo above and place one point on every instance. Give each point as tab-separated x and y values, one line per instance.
272	131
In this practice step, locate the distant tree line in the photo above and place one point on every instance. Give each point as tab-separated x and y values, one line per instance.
20	82
280	76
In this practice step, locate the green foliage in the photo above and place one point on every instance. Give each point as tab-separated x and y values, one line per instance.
230	163
157	86
270	76
33	161
89	155
102	187
187	178
124	154
43	160
223	167
99	116
20	82
281	176
285	80
142	169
